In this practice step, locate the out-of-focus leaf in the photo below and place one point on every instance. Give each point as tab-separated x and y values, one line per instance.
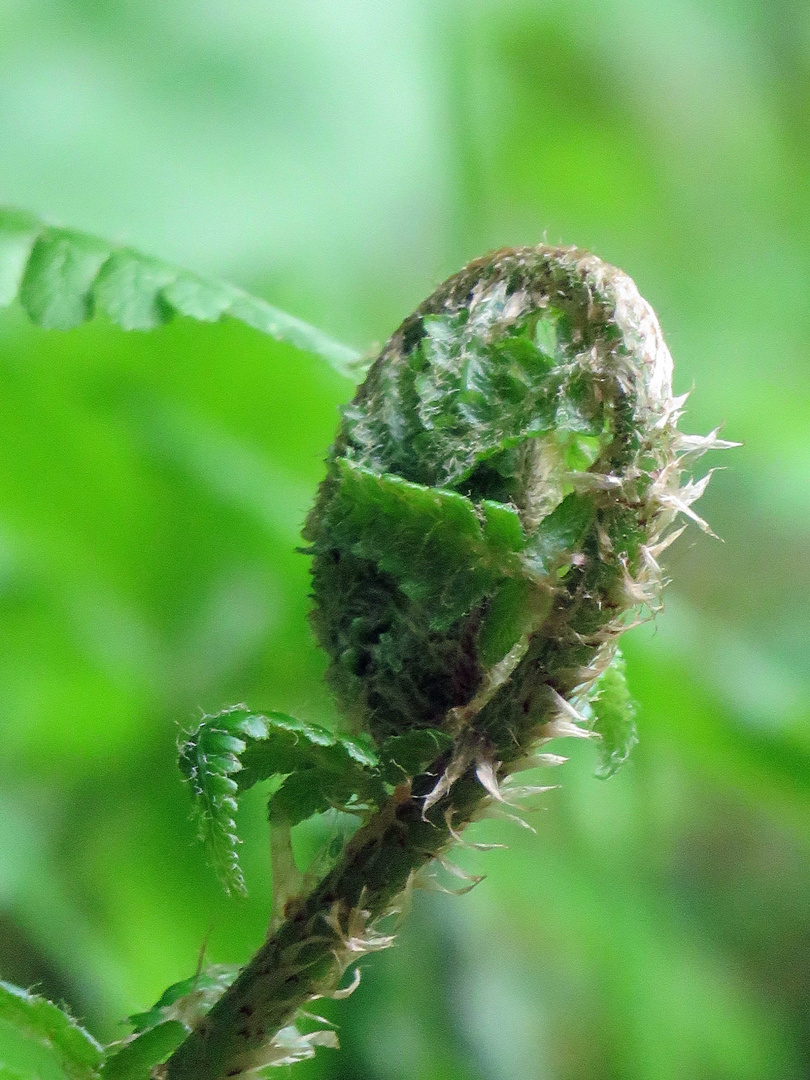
56	288
7	1074
17	237
63	278
40	1021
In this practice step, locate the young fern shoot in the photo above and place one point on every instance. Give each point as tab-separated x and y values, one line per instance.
495	506
496	502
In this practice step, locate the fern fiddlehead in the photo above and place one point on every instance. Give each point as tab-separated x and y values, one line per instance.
495	504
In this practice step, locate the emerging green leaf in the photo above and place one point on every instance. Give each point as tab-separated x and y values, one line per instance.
614	717
64	278
136	1058
208	759
316	790
433	541
236	749
558	540
187	1000
474	386
161	1029
513	611
43	1023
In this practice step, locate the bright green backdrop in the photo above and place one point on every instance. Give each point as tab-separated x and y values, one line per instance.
342	157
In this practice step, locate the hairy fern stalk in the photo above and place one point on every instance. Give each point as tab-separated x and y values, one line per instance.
495	505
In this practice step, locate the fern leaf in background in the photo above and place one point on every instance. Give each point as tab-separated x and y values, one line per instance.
64	278
29	1025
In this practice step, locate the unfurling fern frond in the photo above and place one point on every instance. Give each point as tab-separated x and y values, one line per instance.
208	758
64	278
235	749
314	770
495	503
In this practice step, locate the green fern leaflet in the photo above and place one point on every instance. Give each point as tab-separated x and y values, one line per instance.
64	278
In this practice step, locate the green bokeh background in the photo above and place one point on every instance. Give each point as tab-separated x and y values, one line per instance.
341	157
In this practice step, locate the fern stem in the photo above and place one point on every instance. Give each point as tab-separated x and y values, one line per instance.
329	929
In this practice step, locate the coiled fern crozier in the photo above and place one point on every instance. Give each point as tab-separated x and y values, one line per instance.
495	505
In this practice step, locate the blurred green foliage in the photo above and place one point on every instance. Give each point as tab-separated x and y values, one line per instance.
342	157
